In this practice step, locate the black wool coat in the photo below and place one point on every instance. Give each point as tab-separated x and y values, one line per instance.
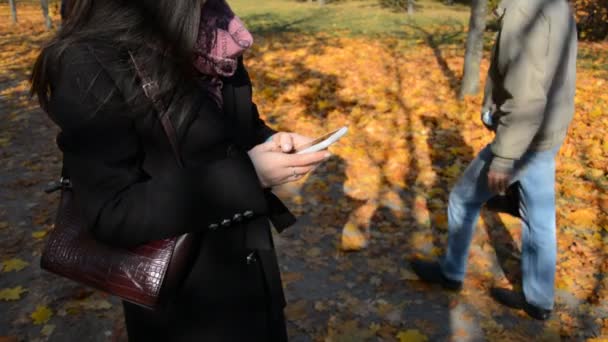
131	191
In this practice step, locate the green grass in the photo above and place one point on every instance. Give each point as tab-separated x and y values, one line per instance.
356	17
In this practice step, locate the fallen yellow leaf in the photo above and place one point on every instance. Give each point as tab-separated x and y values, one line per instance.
411	335
42	315
39	234
14	265
12	293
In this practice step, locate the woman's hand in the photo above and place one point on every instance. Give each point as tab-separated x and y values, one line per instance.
287	142
275	167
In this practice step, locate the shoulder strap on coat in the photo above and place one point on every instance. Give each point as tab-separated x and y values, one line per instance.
151	90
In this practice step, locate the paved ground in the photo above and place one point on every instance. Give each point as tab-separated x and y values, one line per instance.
332	295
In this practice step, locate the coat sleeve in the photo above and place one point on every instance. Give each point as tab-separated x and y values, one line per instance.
278	213
522	52
261	130
122	203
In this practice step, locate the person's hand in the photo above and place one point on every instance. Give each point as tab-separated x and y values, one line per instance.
287	142
275	167
498	182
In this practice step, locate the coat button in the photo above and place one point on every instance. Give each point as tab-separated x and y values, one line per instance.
248	214
251	258
237	218
226	223
213	226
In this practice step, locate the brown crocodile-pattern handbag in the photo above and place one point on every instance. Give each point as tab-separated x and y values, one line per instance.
145	275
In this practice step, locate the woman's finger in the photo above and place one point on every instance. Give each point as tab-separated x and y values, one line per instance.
301	171
269	146
285	141
307	159
296	173
300	140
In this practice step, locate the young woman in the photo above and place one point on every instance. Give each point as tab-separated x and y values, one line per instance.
124	174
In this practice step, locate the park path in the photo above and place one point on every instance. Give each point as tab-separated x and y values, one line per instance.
367	295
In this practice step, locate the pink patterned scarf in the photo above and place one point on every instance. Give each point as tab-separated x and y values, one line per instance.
223	38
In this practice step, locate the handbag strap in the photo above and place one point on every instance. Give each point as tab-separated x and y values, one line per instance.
152	92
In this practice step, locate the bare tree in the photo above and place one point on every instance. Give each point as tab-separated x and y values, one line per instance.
44	5
474	50
13	10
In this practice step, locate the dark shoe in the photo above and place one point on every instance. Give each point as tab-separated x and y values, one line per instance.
516	300
430	272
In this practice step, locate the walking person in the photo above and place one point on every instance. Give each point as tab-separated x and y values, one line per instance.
529	102
123	170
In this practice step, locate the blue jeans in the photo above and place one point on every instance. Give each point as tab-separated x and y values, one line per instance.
536	173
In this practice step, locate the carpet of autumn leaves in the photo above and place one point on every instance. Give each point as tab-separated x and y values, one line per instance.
380	200
409	141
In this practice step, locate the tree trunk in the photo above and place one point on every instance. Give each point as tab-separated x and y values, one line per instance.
321	2
44	4
410	7
13	11
474	52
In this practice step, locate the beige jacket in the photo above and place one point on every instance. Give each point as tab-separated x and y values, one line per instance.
531	81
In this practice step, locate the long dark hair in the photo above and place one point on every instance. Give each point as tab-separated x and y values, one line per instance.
171	27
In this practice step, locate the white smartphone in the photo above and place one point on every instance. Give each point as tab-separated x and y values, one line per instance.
322	142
